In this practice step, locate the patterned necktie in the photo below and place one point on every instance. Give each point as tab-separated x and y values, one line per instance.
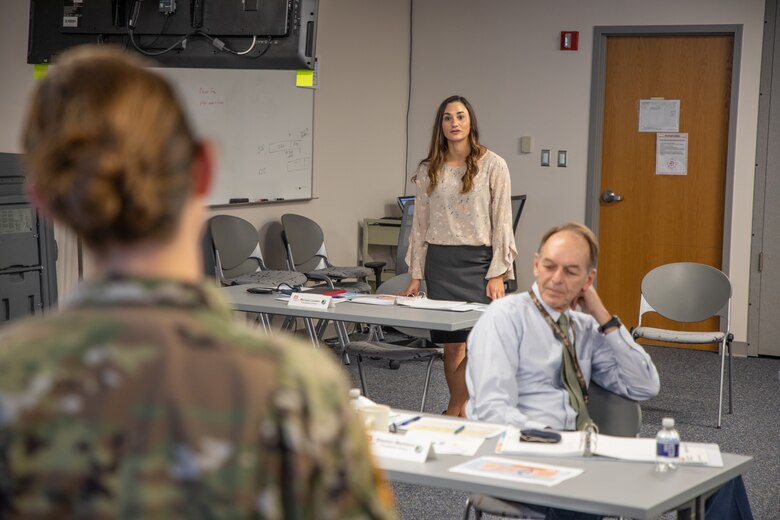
569	376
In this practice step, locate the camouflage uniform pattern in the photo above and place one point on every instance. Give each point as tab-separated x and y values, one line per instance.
145	399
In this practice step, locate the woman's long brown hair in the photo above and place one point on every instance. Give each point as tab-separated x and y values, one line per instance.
437	152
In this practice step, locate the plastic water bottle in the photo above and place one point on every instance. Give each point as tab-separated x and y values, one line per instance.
354	397
667	446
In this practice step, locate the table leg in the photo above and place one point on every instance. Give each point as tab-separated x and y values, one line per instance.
312	332
341	332
693	510
265	321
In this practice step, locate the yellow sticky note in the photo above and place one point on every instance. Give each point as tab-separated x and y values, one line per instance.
40	70
304	78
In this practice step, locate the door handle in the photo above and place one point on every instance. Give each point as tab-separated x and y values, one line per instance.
610	196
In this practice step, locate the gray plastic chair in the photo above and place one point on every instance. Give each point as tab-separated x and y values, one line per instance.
401	281
518	203
237	256
689	292
393	352
305	245
407	219
614	414
395	285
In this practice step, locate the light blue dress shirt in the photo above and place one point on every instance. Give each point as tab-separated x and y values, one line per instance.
514	365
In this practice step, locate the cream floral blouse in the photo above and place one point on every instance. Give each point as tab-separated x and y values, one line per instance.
481	217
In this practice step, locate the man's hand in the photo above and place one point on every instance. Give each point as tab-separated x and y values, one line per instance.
495	288
590	303
413	289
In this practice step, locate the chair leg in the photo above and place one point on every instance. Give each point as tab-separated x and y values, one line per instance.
467	514
288	324
362	378
373	335
728	344
427	381
341	332
722	366
321	324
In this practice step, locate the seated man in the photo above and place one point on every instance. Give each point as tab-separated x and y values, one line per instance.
521	370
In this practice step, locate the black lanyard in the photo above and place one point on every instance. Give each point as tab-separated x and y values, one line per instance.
565	340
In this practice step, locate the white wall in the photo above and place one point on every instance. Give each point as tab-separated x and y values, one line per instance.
504	57
16	77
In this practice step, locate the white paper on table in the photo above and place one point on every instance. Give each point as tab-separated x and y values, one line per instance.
375	299
625	448
426	303
644	450
444	444
438	426
517	470
479	307
700	453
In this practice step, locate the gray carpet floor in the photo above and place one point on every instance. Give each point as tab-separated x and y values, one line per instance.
689	389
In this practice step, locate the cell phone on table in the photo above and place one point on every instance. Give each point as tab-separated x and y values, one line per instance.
544	436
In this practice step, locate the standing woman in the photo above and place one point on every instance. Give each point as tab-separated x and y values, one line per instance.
462	242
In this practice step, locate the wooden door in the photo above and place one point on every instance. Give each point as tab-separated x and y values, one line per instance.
662	218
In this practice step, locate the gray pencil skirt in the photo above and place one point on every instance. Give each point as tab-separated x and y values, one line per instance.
456	273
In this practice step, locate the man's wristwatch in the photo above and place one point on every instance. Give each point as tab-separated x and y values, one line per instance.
614	321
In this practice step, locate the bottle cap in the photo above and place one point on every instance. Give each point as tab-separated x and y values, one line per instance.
668	422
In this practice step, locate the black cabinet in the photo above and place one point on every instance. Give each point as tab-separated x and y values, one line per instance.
28	252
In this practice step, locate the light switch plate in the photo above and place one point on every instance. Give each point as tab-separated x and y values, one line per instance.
562	158
545	157
526	144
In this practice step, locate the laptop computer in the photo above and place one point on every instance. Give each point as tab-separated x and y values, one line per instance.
403	201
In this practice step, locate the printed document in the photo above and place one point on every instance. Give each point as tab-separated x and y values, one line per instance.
517	470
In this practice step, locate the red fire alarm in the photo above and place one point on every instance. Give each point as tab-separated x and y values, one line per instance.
570	40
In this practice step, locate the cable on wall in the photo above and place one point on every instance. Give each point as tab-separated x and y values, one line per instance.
409	95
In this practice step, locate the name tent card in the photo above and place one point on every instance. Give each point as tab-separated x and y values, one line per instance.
309	301
393	446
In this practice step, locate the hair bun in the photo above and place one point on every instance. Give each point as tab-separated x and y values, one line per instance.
110	157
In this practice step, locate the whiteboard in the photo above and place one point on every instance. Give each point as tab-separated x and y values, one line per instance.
262	126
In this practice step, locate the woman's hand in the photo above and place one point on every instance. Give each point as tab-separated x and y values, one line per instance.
495	288
413	289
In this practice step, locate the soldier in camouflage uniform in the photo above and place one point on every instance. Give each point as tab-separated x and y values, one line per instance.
142	398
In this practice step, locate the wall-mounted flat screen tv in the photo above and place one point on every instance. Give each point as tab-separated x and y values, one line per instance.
230	34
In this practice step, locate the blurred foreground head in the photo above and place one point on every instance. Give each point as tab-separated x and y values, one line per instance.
109	150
